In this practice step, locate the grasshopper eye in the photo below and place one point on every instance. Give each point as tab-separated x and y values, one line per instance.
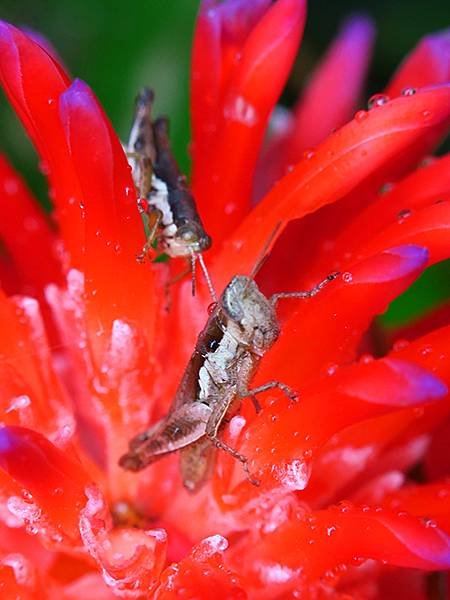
188	235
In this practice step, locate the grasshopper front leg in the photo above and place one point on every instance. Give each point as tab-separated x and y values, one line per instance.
245	372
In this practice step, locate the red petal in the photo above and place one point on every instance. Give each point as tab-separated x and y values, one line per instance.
220	33
31	394
25	232
437	459
113	229
417	191
33	82
428	227
223	185
328	102
201	575
334	88
428	64
340	163
326	330
130	560
55	484
313	545
283	442
430	501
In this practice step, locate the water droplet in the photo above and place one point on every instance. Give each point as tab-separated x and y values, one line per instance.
11	186
347	277
331	369
429	523
308	153
427	114
408	91
400	345
242	111
229	208
365	359
117	248
345	506
425	350
26	495
361	115
331	530
377	100
44	168
385	188
403	214
211	308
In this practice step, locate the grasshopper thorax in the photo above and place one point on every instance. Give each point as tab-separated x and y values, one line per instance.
245	305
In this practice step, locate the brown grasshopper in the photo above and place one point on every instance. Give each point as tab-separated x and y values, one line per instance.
239	331
164	199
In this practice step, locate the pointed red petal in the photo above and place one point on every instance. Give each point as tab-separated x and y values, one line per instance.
341	162
283	442
26	233
328	102
309	546
222	186
33	82
428	64
334	89
201	575
113	229
417	191
54	482
326	330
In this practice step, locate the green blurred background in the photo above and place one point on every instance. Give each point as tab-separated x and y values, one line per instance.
118	46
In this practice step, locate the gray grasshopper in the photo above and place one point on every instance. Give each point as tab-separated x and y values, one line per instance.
164	199
239	331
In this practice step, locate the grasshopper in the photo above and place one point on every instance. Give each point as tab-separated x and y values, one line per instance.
164	199
239	331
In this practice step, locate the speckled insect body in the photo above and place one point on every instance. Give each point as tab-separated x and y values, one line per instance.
164	197
240	330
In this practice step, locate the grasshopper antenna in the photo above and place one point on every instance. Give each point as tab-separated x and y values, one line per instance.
193	271
207	277
263	255
198	256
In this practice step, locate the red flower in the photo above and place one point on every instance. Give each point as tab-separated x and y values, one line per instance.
90	353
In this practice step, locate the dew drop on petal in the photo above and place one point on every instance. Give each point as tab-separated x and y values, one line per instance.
377	100
242	111
366	358
400	345
403	214
331	530
385	188
408	91
347	277
308	153
361	115
331	369
427	349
